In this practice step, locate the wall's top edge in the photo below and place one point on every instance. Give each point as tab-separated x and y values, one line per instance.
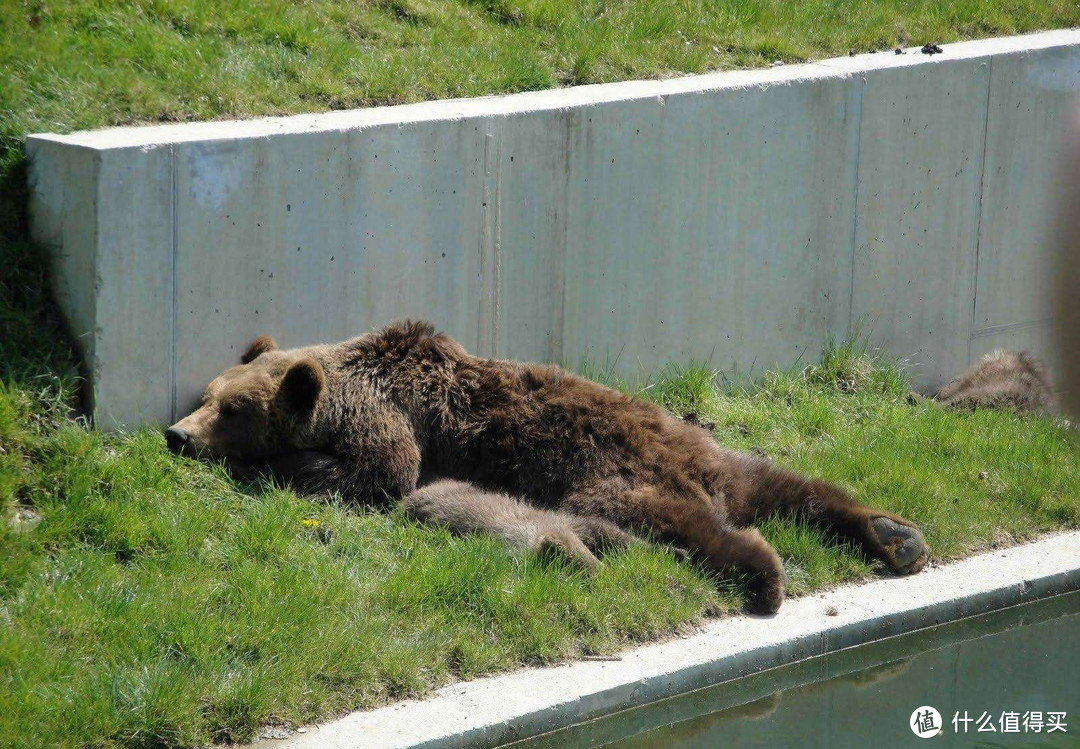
551	99
1005	45
443	109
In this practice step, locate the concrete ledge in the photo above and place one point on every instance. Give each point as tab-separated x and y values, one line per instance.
493	711
738	217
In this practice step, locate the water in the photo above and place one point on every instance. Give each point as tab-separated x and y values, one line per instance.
1022	659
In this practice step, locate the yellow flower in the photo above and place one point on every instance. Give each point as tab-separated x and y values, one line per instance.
311	522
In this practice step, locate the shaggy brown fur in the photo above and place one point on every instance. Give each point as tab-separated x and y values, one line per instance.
378	415
1001	379
463	509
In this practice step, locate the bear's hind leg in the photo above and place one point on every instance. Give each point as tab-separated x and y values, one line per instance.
890	538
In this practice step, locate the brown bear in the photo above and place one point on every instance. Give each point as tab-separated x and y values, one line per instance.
463	508
377	416
1001	379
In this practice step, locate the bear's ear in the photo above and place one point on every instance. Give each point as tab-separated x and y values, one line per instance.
259	346
302	385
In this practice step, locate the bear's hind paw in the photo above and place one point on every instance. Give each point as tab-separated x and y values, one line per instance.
903	547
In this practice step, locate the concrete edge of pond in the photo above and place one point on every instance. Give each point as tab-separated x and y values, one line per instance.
508	707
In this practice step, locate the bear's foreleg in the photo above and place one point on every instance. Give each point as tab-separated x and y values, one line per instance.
599	535
464	508
310	472
564	543
305	471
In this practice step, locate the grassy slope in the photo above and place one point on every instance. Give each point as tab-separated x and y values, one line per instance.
90	63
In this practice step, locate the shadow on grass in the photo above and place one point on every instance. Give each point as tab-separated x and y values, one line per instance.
38	355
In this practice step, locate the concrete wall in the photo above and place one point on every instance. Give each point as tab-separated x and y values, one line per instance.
738	218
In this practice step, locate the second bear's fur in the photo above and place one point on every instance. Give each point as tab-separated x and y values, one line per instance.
1001	379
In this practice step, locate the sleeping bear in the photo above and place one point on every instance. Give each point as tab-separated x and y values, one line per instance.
375	417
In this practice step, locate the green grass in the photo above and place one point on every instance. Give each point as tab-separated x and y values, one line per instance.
86	63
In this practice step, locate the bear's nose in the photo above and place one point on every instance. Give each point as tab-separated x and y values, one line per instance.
176	439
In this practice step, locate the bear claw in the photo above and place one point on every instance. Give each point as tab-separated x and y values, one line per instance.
905	551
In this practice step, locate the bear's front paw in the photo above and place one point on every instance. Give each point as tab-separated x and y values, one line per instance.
243	471
566	544
902	546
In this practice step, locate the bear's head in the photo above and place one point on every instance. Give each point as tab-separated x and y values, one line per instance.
260	408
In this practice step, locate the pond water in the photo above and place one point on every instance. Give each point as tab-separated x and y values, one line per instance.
1018	668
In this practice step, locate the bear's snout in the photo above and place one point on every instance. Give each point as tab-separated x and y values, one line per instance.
177	439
